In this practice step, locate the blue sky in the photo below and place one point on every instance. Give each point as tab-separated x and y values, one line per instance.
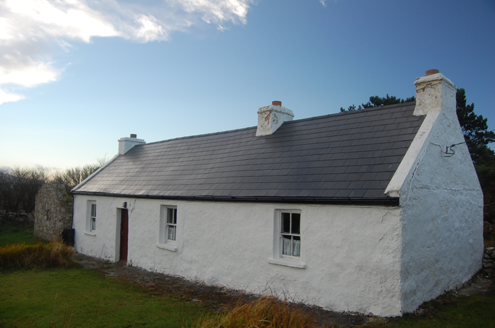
77	75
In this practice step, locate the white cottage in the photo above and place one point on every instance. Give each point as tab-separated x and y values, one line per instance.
373	211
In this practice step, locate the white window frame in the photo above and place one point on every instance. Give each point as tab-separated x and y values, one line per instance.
165	228
278	257
91	217
290	233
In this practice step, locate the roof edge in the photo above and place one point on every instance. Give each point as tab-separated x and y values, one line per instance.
94	173
413	156
391	201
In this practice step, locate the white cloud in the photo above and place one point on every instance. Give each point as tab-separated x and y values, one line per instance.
9	97
323	2
218	11
24	71
150	30
33	31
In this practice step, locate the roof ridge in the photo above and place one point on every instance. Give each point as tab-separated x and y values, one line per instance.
370	109
199	135
299	120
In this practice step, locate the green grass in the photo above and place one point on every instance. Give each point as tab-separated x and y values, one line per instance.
17	234
83	298
476	311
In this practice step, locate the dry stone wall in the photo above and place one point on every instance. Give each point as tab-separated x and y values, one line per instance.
489	261
53	211
23	218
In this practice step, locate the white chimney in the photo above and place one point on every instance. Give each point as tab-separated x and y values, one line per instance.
270	118
434	92
125	144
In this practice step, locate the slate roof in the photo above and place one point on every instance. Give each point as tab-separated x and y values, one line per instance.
338	158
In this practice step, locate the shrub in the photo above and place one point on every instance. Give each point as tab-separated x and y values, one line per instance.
18	188
22	256
267	312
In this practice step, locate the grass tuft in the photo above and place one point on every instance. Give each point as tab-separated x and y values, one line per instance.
266	312
41	255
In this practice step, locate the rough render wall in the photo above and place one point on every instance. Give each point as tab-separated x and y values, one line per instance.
53	211
352	253
443	217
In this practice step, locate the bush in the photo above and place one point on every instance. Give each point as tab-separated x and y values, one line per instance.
262	313
19	186
22	256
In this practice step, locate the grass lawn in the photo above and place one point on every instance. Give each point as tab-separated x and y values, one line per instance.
476	311
17	234
80	298
83	298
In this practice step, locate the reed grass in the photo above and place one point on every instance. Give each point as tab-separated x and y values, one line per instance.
265	312
22	256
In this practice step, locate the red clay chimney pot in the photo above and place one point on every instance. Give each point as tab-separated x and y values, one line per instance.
276	103
431	72
133	135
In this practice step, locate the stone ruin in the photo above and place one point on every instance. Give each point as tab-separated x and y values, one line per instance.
53	211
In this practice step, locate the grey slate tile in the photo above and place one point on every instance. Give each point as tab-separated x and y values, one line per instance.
334	156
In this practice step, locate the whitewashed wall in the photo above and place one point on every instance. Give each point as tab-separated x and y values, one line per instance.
352	253
443	215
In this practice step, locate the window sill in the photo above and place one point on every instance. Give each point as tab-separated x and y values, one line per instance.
90	233
288	262
171	248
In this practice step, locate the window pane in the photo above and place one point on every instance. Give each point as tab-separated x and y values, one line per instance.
296	246
296	223
286	245
286	222
93	209
171	232
175	216
93	223
170	215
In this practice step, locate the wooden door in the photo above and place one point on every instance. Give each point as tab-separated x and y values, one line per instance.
124	233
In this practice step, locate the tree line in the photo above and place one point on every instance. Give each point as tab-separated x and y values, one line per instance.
476	135
19	186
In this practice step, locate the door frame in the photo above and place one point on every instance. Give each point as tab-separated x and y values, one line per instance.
124	232
118	229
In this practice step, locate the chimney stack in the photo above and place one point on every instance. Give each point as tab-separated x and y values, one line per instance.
434	92
125	144
270	118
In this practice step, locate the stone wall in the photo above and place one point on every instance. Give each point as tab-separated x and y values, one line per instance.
9	218
489	261
53	211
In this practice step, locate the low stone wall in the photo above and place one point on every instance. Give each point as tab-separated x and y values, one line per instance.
489	261
8	218
53	211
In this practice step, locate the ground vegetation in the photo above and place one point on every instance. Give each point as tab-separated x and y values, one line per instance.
97	293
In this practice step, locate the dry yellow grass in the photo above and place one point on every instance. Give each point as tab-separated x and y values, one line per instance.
22	256
266	312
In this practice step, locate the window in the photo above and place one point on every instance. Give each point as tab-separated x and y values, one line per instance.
91	218
287	239
290	234
171	223
167	238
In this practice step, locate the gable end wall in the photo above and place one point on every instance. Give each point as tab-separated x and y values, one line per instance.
442	217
